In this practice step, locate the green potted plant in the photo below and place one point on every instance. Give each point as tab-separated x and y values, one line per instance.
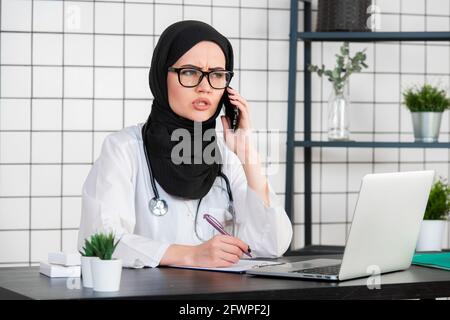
339	102
436	213
426	104
106	271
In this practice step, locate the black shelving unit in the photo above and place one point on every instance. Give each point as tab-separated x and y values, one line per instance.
307	36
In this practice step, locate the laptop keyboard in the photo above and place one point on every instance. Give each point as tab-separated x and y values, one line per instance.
328	270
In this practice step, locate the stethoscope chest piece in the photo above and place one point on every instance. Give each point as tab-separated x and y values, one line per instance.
158	207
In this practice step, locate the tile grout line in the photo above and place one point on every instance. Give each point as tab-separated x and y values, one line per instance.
424	152
62	130
123	63
31	135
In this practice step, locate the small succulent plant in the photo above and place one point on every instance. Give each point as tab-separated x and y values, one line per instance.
438	205
100	245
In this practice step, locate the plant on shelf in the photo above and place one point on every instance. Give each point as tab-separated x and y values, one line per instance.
105	271
345	66
426	103
436	212
338	102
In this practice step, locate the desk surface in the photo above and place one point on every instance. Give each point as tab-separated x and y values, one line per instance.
173	283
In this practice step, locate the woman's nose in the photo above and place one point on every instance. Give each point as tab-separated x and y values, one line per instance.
204	85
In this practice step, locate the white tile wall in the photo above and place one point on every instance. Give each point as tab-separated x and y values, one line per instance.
198	13
48	16
108	18
136	84
69	240
14	147
79	17
138	51
43	242
78	82
79	148
14	180
108	83
71	212
15	82
15	213
78	49
19	252
74	176
108	115
108	50
47	82
16	15
46	147
137	19
77	114
45	180
16	48
83	73
47	114
254	23
45	213
47	48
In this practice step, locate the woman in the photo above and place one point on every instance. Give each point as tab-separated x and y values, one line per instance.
140	165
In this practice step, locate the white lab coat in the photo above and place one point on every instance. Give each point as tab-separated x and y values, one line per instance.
117	191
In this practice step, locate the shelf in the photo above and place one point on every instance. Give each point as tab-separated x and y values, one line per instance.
374	36
308	37
370	144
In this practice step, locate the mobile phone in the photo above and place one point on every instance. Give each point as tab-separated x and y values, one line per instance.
231	112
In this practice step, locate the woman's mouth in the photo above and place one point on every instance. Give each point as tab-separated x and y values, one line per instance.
201	104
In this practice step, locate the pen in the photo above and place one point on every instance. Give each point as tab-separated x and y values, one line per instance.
218	226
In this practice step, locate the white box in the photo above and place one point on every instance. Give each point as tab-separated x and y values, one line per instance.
58	271
64	259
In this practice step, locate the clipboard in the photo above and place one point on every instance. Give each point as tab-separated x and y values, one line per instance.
241	267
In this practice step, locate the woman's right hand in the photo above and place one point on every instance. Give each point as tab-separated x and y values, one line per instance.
220	251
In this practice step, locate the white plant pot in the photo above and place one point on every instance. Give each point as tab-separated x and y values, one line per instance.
431	234
106	274
86	272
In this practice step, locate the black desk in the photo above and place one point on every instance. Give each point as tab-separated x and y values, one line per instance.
172	283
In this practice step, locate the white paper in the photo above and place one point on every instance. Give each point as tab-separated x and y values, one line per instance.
58	271
240	267
64	258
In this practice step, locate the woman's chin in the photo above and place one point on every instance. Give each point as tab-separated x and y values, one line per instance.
200	116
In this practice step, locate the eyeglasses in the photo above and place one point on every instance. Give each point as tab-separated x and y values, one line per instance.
190	77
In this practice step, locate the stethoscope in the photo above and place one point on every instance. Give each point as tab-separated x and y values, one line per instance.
158	207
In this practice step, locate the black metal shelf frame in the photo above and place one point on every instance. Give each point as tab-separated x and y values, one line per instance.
374	36
307	36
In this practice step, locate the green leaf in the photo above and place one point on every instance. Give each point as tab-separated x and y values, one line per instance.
438	205
426	99
345	65
100	245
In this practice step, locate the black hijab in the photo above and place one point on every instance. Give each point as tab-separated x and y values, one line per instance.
193	180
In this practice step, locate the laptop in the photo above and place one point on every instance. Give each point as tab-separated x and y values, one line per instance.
383	234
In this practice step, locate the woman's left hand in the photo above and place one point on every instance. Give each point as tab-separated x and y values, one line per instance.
238	141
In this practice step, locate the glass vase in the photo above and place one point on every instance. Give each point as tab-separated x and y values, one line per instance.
338	113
